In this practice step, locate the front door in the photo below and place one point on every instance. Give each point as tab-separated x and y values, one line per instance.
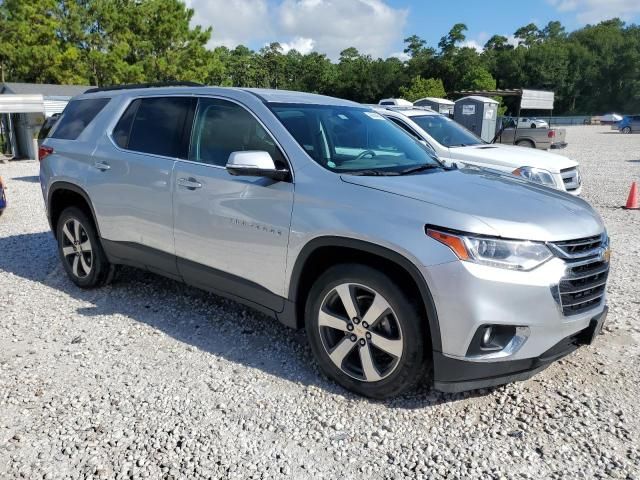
231	232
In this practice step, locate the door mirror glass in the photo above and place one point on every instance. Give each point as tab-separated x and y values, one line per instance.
255	163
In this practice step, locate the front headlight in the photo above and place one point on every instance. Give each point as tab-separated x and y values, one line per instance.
511	254
537	175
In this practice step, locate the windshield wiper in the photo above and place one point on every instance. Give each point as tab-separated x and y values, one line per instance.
420	168
371	173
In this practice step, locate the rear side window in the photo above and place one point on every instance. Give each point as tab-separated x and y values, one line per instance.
76	116
154	125
48	124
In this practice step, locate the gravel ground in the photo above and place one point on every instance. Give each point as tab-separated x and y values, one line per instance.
148	378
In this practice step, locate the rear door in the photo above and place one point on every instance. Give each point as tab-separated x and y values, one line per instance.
231	232
635	124
130	183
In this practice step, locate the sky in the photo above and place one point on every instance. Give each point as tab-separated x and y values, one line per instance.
378	27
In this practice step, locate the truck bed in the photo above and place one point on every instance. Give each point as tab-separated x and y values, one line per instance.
542	138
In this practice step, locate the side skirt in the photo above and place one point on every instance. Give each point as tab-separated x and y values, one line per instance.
206	278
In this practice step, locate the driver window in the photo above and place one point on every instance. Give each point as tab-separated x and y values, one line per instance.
222	127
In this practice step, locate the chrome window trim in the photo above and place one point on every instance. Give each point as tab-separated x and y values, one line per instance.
116	119
118	115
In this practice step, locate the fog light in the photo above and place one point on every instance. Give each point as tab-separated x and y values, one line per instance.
491	338
486	337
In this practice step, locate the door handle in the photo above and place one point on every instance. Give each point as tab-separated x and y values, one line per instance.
189	183
102	166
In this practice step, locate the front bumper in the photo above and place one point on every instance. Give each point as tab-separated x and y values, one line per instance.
453	375
469	296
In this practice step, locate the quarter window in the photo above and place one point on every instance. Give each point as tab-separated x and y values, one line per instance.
76	116
154	125
224	127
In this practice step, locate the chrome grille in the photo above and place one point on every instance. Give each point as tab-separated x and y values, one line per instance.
582	246
583	287
571	178
584	283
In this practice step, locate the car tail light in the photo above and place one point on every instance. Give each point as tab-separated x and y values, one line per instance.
551	134
44	152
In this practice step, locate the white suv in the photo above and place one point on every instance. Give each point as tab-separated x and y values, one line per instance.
453	143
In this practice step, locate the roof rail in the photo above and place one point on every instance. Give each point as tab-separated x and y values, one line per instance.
407	107
131	86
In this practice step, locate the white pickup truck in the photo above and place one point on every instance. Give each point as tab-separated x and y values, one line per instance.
453	143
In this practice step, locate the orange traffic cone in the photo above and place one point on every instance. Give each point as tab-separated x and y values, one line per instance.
632	201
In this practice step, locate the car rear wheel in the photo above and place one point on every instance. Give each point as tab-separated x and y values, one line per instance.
80	250
626	130
525	143
365	332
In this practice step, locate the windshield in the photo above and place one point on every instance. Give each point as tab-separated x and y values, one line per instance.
445	131
353	140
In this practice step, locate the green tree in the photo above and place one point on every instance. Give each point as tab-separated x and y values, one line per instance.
421	56
553	31
421	87
478	78
592	70
456	35
527	35
30	49
498	42
273	65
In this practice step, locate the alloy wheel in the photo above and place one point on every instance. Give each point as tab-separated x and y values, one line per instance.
360	332
76	248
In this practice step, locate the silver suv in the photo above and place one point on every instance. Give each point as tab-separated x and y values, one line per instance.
325	215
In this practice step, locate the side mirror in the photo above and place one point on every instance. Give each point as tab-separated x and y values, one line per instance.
255	163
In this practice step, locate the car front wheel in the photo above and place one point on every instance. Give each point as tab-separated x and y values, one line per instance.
365	333
626	130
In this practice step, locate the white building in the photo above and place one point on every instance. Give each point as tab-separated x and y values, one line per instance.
23	109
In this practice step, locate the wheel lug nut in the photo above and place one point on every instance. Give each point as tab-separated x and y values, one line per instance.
356	321
363	342
368	335
349	327
353	338
365	324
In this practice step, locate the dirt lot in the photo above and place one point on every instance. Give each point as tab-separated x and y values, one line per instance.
148	378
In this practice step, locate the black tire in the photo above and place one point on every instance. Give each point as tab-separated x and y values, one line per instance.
100	270
525	143
415	358
533	125
626	130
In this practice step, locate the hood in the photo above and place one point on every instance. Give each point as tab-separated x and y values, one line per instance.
512	156
512	208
